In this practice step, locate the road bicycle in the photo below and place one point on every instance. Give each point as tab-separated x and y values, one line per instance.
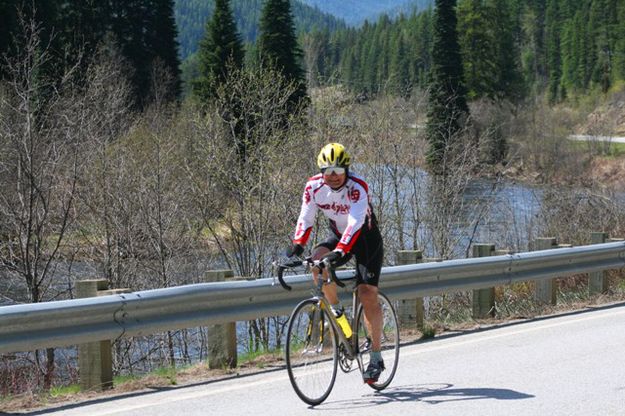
316	344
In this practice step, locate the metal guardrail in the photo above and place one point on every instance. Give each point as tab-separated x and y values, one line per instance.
54	324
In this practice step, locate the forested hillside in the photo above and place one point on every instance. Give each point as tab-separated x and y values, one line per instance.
191	17
509	48
69	31
354	12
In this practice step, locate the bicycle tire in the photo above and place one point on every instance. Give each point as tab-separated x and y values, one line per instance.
389	341
311	352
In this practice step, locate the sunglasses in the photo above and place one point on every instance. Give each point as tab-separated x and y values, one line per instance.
331	170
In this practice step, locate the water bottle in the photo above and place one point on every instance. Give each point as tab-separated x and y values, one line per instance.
343	322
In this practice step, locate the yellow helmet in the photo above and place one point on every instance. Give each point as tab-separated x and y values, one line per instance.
333	155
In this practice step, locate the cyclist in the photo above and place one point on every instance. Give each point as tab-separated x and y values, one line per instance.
343	197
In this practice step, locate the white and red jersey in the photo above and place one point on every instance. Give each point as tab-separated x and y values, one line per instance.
347	208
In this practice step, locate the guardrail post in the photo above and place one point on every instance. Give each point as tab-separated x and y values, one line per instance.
546	289
95	359
598	281
410	310
483	299
222	338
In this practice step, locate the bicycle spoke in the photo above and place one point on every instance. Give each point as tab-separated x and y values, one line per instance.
311	353
389	342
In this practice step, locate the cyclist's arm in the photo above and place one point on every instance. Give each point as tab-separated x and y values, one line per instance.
306	218
358	213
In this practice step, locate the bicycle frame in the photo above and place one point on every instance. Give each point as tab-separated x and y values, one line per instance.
351	350
349	345
311	320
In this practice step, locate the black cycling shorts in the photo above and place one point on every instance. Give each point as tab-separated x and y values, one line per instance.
368	251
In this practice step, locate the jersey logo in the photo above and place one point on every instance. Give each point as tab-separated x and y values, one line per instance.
354	195
337	208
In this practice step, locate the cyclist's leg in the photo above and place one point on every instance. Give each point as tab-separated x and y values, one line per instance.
329	290
368	295
369	254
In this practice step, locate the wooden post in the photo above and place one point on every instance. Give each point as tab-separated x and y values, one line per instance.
410	311
95	359
222	338
483	299
546	289
598	281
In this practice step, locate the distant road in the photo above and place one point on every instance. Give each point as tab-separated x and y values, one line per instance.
590	138
569	365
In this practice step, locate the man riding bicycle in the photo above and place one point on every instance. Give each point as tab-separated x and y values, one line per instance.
343	197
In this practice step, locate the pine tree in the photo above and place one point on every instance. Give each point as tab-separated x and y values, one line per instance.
82	26
220	51
535	62
8	26
447	106
128	25
477	40
399	69
604	27
619	60
278	47
162	45
554	60
423	54
509	81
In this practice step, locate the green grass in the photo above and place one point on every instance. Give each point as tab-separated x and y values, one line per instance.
57	391
168	373
124	379
428	331
613	150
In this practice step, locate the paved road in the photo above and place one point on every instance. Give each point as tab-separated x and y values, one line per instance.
567	365
589	138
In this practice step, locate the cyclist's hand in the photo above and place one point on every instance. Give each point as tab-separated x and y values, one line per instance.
332	258
294	250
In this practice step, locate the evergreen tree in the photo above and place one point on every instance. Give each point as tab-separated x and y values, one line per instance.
161	42
8	27
574	46
477	41
220	51
399	68
278	47
554	60
509	81
83	23
423	54
447	106
604	27
128	24
534	56
619	60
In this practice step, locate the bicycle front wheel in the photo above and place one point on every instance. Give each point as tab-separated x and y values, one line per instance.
311	352
389	341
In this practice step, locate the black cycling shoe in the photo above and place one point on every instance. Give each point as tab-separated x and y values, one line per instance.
373	371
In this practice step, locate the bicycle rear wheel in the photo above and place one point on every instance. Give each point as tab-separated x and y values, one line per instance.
389	341
311	352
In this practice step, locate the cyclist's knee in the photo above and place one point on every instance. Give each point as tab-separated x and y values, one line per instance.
367	293
319	252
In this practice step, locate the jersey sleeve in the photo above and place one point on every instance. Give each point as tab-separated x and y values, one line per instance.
359	209
306	218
